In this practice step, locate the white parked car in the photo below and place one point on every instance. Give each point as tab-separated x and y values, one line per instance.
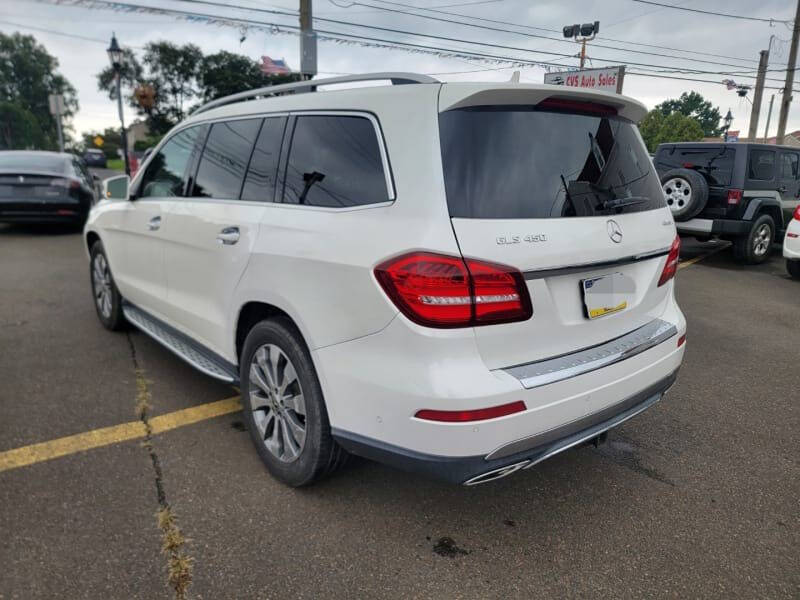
454	278
791	245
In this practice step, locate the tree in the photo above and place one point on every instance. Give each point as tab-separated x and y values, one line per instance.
19	129
694	105
656	128
28	75
170	69
226	73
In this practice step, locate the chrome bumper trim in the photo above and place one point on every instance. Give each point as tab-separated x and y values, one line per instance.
591	266
551	370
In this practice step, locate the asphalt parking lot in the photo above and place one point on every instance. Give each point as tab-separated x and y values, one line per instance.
698	497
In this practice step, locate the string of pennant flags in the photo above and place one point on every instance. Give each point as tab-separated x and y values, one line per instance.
244	26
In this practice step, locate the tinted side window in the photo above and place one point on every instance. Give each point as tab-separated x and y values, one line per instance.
334	161
789	164
761	165
261	174
225	158
165	173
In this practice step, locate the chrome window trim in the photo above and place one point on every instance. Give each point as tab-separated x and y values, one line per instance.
566	366
387	169
601	264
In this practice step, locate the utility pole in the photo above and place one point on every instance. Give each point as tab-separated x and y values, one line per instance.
762	73
790	68
56	102
308	42
583	52
769	117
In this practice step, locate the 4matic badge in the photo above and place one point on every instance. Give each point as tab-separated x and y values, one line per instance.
531	238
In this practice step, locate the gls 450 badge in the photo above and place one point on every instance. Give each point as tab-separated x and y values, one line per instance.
531	238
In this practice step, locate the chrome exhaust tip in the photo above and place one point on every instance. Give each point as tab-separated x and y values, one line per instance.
496	473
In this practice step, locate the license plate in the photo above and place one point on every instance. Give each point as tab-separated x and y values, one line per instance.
607	294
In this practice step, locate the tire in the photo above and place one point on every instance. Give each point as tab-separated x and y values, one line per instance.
296	448
755	247
686	193
793	268
107	299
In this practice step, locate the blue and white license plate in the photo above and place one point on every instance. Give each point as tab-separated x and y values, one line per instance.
607	294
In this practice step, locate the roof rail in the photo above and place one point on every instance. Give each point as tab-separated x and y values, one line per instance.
311	85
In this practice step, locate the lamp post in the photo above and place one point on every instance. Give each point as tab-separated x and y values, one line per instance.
728	120
115	56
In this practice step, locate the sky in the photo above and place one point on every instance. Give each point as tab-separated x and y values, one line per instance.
687	36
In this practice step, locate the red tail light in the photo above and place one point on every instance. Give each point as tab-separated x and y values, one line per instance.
446	291
796	214
67	183
734	196
480	414
672	262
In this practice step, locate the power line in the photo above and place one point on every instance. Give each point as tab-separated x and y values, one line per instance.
446	38
533	35
486	20
339	36
710	12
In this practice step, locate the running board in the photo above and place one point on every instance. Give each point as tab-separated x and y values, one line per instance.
193	353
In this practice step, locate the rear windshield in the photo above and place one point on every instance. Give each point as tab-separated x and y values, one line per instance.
714	162
31	161
522	163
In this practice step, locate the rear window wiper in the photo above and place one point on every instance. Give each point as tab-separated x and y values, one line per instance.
613	203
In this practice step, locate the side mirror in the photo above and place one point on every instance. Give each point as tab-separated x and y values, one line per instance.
95	177
116	188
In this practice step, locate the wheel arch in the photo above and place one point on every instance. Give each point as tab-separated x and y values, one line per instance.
765	206
253	312
91	237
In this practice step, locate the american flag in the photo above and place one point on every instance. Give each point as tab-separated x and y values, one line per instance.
276	66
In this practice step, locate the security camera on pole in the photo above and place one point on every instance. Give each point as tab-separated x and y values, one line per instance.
587	32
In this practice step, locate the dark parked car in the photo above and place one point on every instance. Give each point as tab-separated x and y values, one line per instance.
95	158
44	187
745	193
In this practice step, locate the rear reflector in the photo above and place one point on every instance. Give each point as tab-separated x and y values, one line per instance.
671	266
792	235
681	340
65	212
480	414
438	290
734	196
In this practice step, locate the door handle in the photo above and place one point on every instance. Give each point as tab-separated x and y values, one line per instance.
154	224
228	236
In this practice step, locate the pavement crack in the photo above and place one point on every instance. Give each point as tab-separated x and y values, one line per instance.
179	563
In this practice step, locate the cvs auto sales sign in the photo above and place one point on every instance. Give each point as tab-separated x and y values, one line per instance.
606	80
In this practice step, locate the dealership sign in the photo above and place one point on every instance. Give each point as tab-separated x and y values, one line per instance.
606	80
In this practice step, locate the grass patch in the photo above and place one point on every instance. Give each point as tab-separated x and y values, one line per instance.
115	163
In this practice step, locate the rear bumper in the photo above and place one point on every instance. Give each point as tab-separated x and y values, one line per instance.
732	227
375	385
50	211
517	455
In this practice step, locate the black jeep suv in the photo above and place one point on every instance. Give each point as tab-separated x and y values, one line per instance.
742	192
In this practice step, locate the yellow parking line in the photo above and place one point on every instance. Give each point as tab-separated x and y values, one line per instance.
28	455
691	261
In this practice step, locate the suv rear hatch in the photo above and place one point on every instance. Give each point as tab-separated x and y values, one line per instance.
563	190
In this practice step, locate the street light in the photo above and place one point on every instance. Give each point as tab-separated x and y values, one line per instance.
587	32
727	121
115	56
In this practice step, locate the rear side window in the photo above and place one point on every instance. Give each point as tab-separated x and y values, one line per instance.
789	164
715	163
522	163
225	157
260	181
761	165
165	173
334	161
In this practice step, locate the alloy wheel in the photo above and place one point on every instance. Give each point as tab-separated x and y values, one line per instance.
101	282
762	240
678	192
276	399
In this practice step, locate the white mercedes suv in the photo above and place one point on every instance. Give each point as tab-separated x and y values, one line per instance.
458	279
